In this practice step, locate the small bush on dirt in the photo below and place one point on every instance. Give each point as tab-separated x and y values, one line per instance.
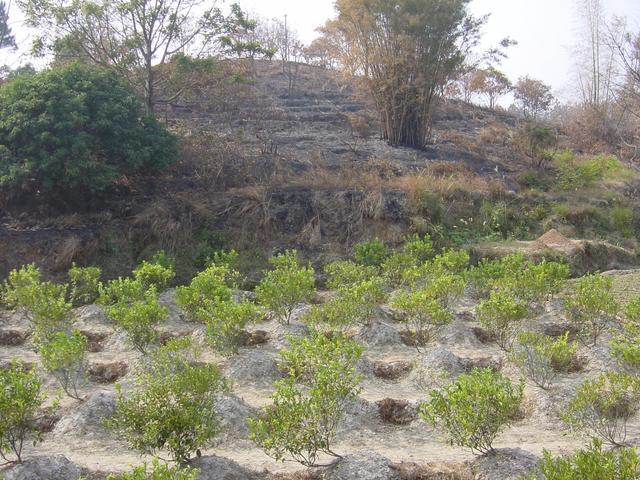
592	307
622	220
216	282
139	318
154	274
174	405
424	313
485	276
17	290
500	315
121	291
309	402
345	273
602	406
474	409
285	286
578	173
21	395
540	357
352	305
64	356
226	322
625	347
371	252
85	284
158	471
536	281
415	252
591	463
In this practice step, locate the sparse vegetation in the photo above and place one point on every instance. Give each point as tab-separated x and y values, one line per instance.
157	471
64	357
226	322
500	315
85	284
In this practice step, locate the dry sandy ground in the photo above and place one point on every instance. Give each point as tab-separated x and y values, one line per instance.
253	370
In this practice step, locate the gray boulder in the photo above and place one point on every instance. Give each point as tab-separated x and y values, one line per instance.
505	464
361	466
88	417
219	468
54	467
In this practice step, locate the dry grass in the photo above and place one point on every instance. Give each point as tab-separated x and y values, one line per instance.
433	471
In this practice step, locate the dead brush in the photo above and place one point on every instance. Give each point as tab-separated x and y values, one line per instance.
434	471
158	222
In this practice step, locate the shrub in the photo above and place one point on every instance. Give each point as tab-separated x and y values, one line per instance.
309	402
532	284
138	319
121	291
286	285
540	358
153	274
419	248
500	314
591	463
174	405
64	357
485	276
158	471
76	128
371	252
474	409
579	173
21	395
216	282
424	313
395	268
592	306
345	273
625	347
85	284
226	322
622	220
17	290
602	406
351	305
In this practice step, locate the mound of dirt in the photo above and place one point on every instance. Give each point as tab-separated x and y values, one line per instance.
218	468
439	358
554	239
254	366
54	467
380	334
88	418
505	464
362	466
233	413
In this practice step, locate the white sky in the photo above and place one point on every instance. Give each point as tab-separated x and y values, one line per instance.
547	31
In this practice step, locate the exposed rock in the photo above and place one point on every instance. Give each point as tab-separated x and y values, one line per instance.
12	337
168	299
398	412
55	467
458	333
218	468
440	358
358	414
87	418
392	370
233	413
282	332
91	316
505	464
256	366
361	466
108	372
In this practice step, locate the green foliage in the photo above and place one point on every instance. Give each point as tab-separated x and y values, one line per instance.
153	274
419	248
21	395
120	291
540	357
371	252
485	276
415	252
138	319
173	406
354	304
592	306
286	285
158	471
64	356
345	273
622	220
17	290
578	173
85	284
591	463
226	321
500	314
625	347
474	409
602	406
76	128
216	282
309	402
223	257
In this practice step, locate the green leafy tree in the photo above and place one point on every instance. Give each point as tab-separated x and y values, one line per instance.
540	357
226	322
308	404
21	395
591	463
85	284
75	129
158	471
215	283
372	252
474	409
64	356
602	406
500	314
285	286
345	273
592	307
173	406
